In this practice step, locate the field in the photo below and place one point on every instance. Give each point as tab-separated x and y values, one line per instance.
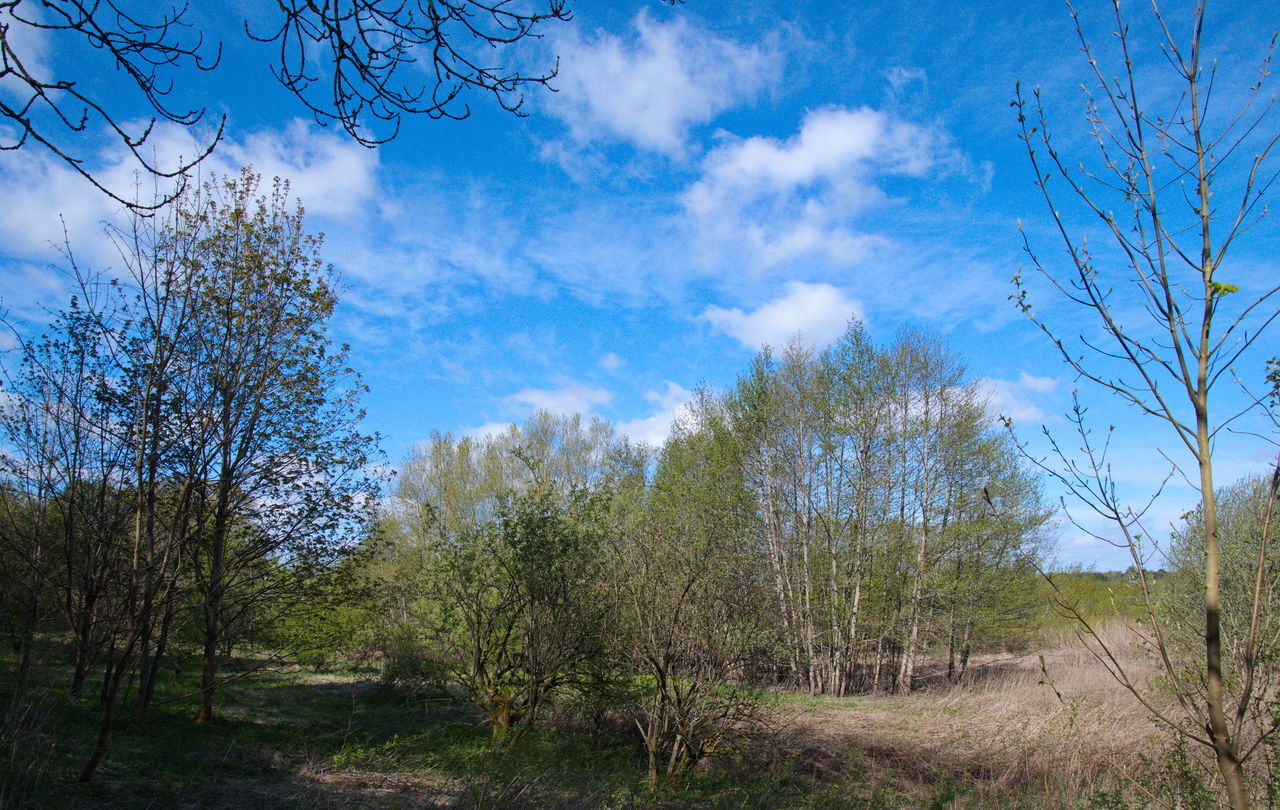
297	738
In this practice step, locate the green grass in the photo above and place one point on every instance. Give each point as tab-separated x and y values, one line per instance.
293	738
297	738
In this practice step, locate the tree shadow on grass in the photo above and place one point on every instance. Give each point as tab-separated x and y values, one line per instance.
298	740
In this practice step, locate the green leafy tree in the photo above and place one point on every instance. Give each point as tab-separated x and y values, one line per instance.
694	611
191	436
1249	570
521	616
891	515
492	565
283	469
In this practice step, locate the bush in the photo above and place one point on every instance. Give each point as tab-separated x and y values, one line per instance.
409	663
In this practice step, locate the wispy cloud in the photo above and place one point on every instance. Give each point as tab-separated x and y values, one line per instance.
570	398
900	77
1020	399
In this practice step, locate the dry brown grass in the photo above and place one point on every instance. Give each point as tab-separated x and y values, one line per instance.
1008	731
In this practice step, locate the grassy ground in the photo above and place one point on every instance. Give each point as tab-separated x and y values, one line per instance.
293	738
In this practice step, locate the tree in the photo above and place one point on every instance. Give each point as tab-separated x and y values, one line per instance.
283	480
90	409
866	470
184	434
1246	515
492	569
694	610
518	607
1173	193
353	63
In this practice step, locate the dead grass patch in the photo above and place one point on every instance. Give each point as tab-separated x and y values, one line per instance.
1007	731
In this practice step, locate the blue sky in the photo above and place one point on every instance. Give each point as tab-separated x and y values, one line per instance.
707	179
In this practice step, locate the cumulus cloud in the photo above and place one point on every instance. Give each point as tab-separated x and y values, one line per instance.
1019	399
818	312
651	87
611	362
48	204
655	428
571	398
30	43
783	199
331	174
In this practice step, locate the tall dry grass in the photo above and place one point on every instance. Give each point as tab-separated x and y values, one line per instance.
1047	727
1057	721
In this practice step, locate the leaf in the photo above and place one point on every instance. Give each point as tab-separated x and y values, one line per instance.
1219	289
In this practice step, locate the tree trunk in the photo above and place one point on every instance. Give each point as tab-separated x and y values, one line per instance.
906	673
82	649
116	670
777	562
1224	748
875	672
217	561
151	667
104	730
27	638
209	669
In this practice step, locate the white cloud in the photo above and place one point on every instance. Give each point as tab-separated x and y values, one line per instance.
819	312
41	195
650	89
29	43
571	398
779	200
1018	399
655	429
611	362
1041	385
331	175
48	203
899	77
489	430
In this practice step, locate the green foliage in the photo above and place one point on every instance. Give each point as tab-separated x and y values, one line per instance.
1095	596
490	574
411	661
1242	510
334	624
